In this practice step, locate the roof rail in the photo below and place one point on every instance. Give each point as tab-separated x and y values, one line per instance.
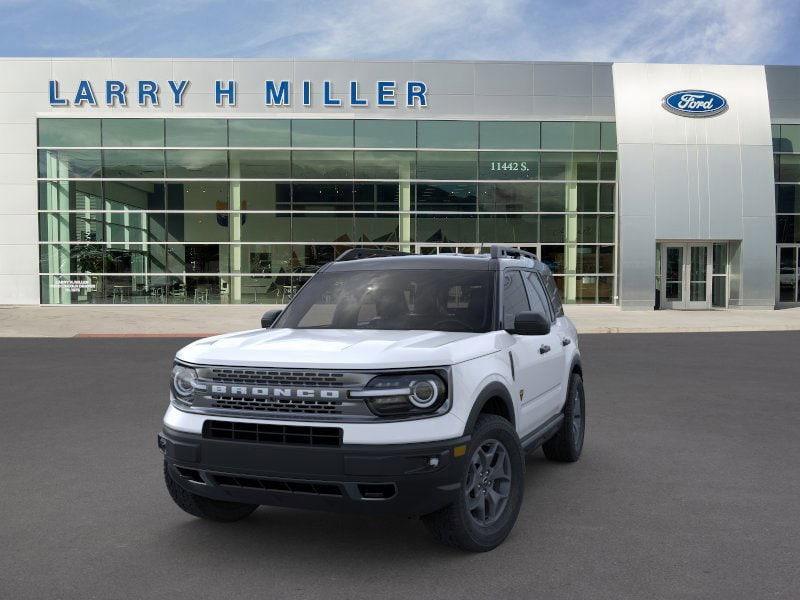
508	252
359	253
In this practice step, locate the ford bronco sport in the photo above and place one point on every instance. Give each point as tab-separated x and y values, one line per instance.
390	384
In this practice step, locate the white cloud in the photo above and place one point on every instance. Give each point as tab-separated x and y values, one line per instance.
736	31
713	31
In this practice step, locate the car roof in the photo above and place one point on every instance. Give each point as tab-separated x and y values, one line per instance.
471	262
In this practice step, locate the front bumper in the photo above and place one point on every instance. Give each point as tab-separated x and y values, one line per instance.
403	479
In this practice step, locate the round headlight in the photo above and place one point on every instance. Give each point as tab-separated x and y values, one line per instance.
423	393
183	380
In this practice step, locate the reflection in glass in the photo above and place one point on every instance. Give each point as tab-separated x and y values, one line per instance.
608	166
132	164
512	229
262	215
381	196
259	133
509	134
446	196
605	229
260	164
587	229
585	166
198	133
322	164
553	197
508	197
383	133
557	166
789	169
605	262
385	164
552	228
65	133
377	227
322	227
446	228
720	262
587	136
133	132
322	133
608	136
322	196
197	164
558	135
447	165
606	197
70	195
447	134
63	164
586	259
587	197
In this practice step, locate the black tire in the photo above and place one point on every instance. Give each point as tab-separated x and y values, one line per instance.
456	525
206	508
567	443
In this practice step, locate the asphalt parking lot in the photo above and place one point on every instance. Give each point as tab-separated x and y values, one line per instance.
689	487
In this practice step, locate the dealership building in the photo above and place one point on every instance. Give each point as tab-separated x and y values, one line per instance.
166	181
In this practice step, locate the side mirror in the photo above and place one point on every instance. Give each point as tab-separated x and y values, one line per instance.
531	323
269	317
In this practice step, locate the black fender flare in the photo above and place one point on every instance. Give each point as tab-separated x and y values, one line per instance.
495	389
576	366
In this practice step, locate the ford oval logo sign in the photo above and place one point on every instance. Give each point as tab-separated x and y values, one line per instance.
695	103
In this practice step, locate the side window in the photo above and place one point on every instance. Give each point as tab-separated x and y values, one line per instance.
537	295
515	299
552	291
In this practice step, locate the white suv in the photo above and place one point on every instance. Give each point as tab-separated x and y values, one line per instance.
390	384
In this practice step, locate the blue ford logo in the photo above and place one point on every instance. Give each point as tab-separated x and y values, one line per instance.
695	103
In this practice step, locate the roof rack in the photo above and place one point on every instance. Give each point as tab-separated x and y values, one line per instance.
359	253
508	252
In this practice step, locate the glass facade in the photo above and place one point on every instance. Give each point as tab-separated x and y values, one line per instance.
245	210
786	148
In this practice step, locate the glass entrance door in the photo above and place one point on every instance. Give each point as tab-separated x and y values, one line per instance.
686	276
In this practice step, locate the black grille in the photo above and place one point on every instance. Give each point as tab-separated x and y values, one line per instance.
267	377
280	485
264	433
278	405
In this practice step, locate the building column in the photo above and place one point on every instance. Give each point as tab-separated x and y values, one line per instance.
405	207
235	234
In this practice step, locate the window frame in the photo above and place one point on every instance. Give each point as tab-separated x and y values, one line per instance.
502	294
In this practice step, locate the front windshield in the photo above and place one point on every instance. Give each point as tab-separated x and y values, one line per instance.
437	300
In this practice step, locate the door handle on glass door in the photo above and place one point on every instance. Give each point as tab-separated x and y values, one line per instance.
544	349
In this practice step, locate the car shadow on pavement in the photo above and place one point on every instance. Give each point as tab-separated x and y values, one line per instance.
324	536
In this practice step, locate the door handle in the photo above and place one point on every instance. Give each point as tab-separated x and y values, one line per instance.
544	349
566	342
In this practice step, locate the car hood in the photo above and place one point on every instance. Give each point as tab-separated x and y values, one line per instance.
339	348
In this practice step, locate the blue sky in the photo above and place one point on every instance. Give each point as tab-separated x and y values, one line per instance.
712	31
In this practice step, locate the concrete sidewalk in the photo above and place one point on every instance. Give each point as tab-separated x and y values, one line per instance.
199	321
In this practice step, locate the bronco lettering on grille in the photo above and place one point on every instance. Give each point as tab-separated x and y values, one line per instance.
274	392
